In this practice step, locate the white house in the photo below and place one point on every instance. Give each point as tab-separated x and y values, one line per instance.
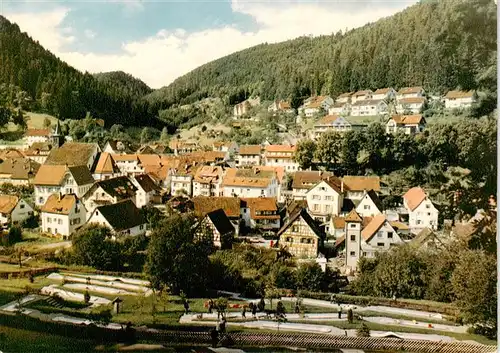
409	124
62	215
369	107
123	218
62	179
410	92
260	212
344	97
361	96
13	210
324	200
369	205
355	187
422	212
228	147
377	236
208	181
249	155
339	108
252	182
334	123
36	135
459	99
413	104
128	164
384	93
305	180
313	105
109	191
147	191
281	156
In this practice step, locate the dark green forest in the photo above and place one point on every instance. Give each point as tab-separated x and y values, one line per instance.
34	79
440	45
128	84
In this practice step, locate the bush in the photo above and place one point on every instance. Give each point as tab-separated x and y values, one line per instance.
15	235
363	331
31	222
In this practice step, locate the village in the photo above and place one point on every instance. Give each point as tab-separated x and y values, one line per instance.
251	193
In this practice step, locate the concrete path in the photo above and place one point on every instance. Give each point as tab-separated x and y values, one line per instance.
97	289
416	324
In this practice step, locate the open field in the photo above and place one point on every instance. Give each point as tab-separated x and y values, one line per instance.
35	120
201	137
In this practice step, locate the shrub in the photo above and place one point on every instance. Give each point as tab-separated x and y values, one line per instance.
363	331
350	316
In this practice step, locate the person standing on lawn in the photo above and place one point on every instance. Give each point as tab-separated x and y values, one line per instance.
244	311
186	307
254	311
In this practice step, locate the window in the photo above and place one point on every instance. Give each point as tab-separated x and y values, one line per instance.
315	207
380	234
428	213
295	229
49	220
364	253
366	207
327	208
352	225
380	244
141	227
353	237
419	221
427	206
316	197
328	198
353	253
22	206
389	235
95	213
49	230
59	221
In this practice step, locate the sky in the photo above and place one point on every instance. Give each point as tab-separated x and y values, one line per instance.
160	40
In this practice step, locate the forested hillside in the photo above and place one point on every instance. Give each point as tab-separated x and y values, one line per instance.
34	79
128	84
440	45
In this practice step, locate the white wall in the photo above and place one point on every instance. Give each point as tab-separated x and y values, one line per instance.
63	224
179	182
464	102
271	190
323	200
367	208
97	218
21	212
248	160
425	215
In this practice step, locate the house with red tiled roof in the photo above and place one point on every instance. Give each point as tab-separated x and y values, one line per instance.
250	182
304	180
334	123
208	180
409	124
280	106
384	93
410	92
367	239
315	104
61	215
324	200
281	156
13	210
354	187
261	213
361	96
422	212
249	155
105	167
459	99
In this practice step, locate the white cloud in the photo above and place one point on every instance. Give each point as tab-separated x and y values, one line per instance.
130	6
162	57
90	34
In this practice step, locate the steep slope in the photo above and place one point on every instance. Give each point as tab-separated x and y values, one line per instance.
438	44
56	88
126	83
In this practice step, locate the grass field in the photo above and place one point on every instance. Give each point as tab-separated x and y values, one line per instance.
35	120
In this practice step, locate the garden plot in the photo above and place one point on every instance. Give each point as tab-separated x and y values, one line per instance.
408	323
72	296
137	282
97	289
360	309
112	284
